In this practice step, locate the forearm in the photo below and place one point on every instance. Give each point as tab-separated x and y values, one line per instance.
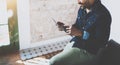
75	32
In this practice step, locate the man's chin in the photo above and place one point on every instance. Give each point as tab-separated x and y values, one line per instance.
82	5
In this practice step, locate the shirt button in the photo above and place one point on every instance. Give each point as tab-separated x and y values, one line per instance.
78	17
85	51
89	22
83	27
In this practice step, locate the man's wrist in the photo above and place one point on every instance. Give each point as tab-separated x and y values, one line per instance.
80	34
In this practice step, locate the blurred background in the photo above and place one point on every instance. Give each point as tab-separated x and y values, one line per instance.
12	27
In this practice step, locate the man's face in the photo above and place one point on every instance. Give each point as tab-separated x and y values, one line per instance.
81	1
86	3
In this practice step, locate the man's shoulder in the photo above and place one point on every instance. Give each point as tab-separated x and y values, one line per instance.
101	10
103	14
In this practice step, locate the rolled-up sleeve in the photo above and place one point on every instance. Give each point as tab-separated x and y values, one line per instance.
85	35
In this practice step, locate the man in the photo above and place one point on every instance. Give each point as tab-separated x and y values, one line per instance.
91	31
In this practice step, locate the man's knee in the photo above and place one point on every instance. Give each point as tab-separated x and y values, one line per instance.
55	61
65	57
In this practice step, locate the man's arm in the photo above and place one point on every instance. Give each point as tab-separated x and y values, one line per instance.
74	31
101	32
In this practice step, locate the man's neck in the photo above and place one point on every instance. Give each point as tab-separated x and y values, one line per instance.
88	10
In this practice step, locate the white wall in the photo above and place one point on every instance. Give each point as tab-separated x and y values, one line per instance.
36	17
23	23
114	8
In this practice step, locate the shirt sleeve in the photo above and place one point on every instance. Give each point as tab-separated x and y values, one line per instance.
85	35
101	32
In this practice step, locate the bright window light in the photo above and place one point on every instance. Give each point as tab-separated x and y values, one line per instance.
4	32
10	13
3	12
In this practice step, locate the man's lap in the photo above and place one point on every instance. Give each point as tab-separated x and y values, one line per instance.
71	56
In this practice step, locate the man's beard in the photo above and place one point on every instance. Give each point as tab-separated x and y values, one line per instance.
85	5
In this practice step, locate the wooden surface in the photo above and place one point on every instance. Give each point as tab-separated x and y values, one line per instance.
41	60
10	59
14	58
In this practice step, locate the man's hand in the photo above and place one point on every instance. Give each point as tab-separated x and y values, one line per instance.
71	30
74	31
60	25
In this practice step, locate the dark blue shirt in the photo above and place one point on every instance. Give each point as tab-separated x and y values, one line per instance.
95	27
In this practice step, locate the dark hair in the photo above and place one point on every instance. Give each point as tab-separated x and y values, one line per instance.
98	0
